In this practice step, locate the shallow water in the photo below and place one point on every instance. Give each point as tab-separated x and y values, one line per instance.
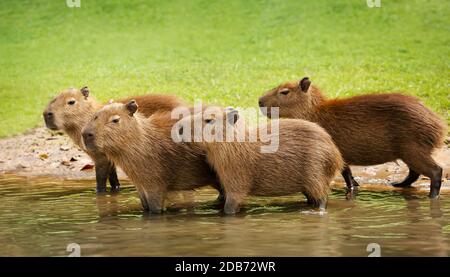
40	217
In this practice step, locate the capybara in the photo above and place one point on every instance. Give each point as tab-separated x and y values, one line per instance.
144	149
73	108
306	159
369	129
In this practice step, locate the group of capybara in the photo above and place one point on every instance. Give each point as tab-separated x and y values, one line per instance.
317	137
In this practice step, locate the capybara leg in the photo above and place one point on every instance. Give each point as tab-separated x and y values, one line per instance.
144	202
411	178
424	164
317	203
232	204
155	202
348	177
221	196
323	204
436	181
113	180
350	182
101	175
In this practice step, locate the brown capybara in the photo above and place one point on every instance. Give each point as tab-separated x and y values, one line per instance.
73	108
369	129
304	160
144	149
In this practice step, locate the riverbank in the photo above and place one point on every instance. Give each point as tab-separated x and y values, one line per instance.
41	152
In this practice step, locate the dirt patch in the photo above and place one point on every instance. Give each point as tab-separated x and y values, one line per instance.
41	152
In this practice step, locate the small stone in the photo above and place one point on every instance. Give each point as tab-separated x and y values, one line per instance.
64	148
21	166
43	156
66	163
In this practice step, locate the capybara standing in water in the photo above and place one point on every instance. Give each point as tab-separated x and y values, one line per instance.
369	129
305	160
144	149
73	108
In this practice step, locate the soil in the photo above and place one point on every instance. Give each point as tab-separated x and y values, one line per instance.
41	152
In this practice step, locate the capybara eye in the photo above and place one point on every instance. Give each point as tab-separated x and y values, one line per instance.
208	121
115	120
284	91
95	117
71	102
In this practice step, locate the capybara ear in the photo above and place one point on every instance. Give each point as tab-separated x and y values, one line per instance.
304	84
232	116
85	91
131	107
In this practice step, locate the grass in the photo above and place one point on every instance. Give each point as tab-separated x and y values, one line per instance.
223	52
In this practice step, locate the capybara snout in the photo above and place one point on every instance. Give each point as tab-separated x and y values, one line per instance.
89	139
49	120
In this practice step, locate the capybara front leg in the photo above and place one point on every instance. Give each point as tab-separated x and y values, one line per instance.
348	177
144	202
101	175
155	202
113	180
411	178
221	196
317	203
436	181
350	182
323	204
232	204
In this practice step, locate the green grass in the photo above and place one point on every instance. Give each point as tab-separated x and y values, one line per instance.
224	52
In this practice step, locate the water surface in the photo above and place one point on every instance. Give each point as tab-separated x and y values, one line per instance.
41	216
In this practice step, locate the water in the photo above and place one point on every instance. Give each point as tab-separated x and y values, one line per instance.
40	217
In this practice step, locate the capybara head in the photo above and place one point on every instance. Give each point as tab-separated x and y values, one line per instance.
297	99
211	125
68	109
112	128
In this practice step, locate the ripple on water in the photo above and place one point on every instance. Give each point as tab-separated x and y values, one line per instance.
41	216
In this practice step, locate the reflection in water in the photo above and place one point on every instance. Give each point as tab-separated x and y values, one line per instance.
39	217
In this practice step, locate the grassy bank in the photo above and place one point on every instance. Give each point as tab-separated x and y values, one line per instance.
224	52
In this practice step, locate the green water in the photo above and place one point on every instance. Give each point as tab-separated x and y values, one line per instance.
40	217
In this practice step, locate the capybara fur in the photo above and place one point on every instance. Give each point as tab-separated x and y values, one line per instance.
369	129
71	110
305	161
144	149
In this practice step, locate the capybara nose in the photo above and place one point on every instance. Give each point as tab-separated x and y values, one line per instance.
180	131
88	138
50	120
261	102
88	135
